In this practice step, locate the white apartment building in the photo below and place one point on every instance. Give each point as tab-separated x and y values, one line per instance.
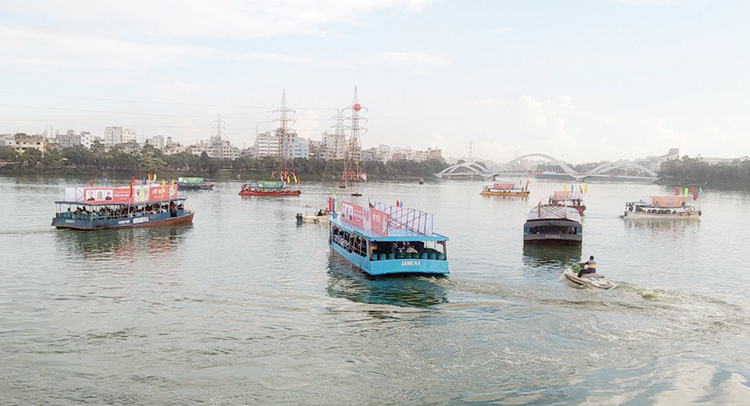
333	146
156	141
68	140
267	145
22	142
118	135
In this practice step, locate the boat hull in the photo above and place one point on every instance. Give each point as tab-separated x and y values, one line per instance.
269	193
152	220
593	281
559	232
393	266
509	194
551	238
312	219
666	216
196	187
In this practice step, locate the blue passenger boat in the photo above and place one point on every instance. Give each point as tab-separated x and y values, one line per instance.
385	239
95	208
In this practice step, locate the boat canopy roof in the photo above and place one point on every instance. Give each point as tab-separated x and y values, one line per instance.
666	202
109	203
397	234
190	180
547	212
267	184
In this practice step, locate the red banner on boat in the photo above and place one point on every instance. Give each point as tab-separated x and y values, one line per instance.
351	213
126	195
379	222
504	186
365	217
668	201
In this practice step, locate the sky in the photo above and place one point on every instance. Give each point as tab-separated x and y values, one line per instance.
581	80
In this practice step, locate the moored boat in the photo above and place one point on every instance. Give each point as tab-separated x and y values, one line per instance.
661	208
149	205
386	240
268	188
505	189
194	183
552	224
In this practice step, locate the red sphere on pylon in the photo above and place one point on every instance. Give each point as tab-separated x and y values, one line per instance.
357	107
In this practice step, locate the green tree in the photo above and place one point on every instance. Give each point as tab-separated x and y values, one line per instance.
8	154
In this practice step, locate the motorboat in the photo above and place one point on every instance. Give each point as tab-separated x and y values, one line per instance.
592	280
319	216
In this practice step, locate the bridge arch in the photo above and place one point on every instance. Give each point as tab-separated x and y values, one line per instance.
622	164
509	165
471	169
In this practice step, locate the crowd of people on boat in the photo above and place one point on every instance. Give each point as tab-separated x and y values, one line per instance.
115	212
640	209
349	241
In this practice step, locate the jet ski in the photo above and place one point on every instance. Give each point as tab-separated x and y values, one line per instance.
593	280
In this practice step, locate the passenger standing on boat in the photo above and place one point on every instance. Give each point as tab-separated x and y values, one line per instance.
588	267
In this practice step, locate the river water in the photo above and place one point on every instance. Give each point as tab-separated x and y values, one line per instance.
247	307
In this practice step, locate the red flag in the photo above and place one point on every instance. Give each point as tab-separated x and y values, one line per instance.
330	204
676	191
91	182
131	188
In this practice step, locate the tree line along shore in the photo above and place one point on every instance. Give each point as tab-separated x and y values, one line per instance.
117	163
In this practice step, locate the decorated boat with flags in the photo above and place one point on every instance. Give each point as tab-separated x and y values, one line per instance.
552	224
268	188
506	189
661	208
385	240
138	205
194	183
571	198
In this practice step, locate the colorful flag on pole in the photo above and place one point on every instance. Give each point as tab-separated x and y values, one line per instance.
91	182
676	191
585	188
565	189
106	182
686	191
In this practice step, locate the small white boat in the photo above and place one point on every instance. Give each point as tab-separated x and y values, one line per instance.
321	216
593	280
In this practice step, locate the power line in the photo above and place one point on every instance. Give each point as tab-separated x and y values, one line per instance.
157	102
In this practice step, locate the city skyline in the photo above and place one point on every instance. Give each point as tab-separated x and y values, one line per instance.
582	80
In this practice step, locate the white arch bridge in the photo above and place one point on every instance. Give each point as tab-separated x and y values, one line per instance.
473	170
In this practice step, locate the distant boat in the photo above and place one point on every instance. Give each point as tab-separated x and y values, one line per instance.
661	208
505	189
268	188
194	183
551	224
421	181
97	208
